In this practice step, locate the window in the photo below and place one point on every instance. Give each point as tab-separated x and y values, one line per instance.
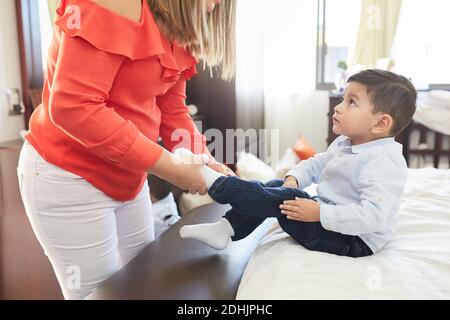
421	48
338	24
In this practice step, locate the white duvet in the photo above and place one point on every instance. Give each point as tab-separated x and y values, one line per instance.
415	264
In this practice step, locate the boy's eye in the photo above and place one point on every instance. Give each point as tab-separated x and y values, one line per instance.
352	103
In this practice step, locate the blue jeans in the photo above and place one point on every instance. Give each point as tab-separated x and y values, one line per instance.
252	202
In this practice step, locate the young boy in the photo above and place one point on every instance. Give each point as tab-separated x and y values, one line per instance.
360	179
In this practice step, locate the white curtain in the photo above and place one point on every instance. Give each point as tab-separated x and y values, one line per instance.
289	45
250	57
276	57
377	29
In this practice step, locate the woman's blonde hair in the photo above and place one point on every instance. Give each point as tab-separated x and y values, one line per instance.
209	36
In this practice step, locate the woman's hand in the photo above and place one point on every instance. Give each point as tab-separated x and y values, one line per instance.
183	172
304	210
290	182
221	168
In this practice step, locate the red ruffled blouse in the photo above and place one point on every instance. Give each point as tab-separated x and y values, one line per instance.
113	87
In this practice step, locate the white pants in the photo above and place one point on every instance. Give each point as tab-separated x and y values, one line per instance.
86	235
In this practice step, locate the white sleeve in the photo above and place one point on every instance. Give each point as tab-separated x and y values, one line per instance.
308	171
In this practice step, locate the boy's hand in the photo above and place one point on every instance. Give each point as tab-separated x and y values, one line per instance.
290	182
304	210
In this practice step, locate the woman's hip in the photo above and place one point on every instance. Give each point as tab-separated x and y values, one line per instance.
45	185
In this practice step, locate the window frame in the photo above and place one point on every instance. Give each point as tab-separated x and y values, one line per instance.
321	50
321	53
438	86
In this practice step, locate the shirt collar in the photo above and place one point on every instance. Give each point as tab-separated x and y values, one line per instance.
347	144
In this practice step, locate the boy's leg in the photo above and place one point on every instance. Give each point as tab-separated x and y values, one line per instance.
314	237
237	224
243	225
252	197
253	202
242	219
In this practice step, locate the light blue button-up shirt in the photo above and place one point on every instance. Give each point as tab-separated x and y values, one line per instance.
359	187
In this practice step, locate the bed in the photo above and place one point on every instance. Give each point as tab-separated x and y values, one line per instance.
415	264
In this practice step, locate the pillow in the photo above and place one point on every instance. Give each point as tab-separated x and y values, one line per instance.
287	162
303	149
250	167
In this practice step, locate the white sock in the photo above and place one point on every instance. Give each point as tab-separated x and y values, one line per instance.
209	174
216	235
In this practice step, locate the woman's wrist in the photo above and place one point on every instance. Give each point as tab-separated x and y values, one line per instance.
169	167
211	161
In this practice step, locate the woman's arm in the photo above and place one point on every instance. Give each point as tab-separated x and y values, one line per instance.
78	106
184	174
177	129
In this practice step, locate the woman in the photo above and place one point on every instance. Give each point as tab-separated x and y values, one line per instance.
116	81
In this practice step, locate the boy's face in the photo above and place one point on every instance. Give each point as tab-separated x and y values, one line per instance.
353	117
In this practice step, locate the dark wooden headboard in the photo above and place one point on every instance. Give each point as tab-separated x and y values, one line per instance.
430	143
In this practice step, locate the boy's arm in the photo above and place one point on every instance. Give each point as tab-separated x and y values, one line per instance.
307	171
380	185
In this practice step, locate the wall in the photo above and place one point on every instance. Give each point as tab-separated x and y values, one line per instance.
300	114
216	99
10	126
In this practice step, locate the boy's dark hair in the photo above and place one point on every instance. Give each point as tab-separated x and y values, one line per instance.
390	93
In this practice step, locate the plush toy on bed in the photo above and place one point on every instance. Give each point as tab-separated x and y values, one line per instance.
360	179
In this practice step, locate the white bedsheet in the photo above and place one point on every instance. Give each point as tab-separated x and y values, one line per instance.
415	264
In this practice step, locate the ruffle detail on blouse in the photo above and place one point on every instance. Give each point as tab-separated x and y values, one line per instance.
112	33
180	62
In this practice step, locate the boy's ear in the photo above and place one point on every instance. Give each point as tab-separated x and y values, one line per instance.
384	124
